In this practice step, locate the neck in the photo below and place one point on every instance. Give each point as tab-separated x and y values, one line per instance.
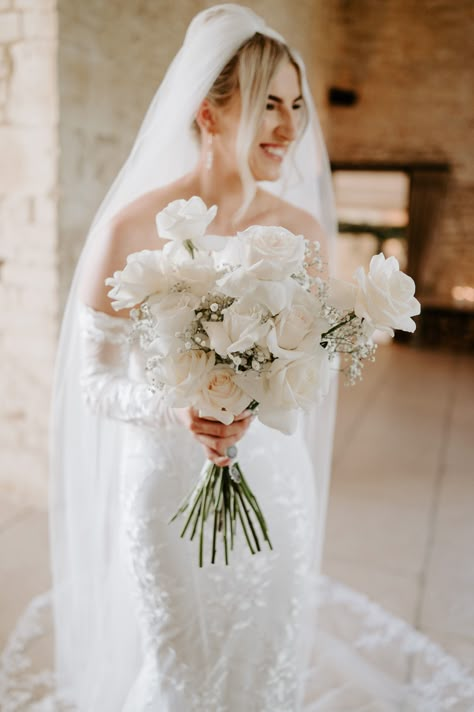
220	186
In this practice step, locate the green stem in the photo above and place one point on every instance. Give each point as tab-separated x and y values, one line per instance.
246	491
239	514
225	478
216	516
346	320
198	499
249	519
203	521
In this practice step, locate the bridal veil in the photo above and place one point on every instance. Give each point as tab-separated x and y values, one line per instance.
96	640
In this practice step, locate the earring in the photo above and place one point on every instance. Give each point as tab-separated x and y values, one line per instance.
209	153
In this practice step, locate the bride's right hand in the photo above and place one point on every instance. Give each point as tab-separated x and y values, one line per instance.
213	435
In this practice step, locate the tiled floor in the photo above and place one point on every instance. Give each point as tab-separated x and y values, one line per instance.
401	516
401	513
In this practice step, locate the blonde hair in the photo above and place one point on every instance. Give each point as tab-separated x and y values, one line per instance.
250	72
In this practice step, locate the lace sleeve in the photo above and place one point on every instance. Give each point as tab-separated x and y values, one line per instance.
106	386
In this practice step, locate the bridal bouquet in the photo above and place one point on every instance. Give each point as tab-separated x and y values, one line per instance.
247	323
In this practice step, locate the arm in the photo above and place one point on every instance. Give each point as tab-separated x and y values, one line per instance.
107	389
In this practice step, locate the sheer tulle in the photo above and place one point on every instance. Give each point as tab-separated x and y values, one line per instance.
88	449
351	632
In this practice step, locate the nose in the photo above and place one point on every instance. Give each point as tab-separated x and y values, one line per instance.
288	126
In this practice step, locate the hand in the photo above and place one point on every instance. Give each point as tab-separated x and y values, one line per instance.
213	435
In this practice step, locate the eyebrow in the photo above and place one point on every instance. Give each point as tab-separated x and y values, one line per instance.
280	101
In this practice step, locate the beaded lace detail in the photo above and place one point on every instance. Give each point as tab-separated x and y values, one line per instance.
262	635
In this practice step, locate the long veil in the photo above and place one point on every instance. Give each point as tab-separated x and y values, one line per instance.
91	605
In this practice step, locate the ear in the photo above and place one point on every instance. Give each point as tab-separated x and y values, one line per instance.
206	117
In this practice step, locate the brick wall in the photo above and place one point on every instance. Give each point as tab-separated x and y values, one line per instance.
411	63
28	239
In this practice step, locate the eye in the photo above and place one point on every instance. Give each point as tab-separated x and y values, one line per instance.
296	106
270	107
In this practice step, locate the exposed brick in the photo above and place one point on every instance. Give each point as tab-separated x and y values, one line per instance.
411	65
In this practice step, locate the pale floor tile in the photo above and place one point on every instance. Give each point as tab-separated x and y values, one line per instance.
395	592
378	533
402	492
459	452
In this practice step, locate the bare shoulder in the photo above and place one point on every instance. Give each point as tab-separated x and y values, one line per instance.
132	229
297	220
301	222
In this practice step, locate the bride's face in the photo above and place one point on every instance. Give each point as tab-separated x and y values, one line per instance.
281	122
280	125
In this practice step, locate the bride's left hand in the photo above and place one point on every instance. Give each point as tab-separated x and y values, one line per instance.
213	435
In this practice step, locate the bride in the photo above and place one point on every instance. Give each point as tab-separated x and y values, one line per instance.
138	626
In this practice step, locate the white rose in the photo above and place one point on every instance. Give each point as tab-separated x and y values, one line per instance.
143	275
220	397
184	220
287	387
240	330
385	296
293	385
173	314
271	253
272	295
198	275
182	376
293	326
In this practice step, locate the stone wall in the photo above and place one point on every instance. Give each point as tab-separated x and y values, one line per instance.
28	239
411	64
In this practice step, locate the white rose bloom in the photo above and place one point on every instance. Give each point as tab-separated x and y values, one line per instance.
184	220
271	253
293	385
143	275
240	330
182	376
220	397
198	275
173	313
296	327
385	296
287	387
272	295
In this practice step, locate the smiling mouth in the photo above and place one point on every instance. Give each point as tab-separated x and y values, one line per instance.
274	152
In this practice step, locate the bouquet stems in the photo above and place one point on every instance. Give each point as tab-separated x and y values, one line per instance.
223	496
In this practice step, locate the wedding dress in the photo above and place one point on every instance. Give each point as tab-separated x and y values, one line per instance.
138	626
243	637
265	634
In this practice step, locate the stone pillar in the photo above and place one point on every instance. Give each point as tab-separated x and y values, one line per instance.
28	239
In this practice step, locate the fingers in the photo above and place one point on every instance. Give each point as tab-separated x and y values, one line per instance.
218	445
243	416
213	428
215	436
217	459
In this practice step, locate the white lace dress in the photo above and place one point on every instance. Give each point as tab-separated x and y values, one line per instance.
265	634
